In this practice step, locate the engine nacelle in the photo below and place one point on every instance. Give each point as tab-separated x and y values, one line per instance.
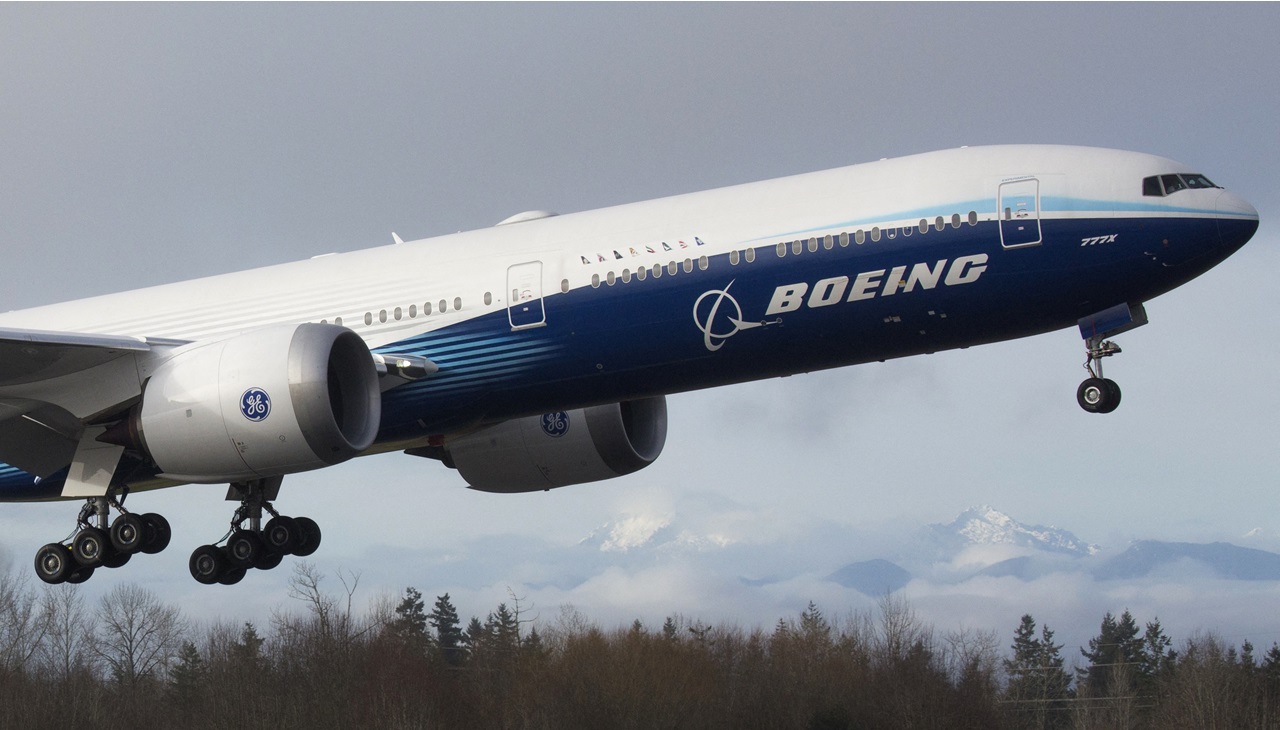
558	449
272	401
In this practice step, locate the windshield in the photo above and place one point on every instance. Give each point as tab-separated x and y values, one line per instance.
1161	185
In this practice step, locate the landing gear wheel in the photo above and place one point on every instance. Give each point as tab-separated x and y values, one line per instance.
244	548
90	546
282	535
115	559
207	563
310	533
80	576
268	560
231	576
1098	395
54	563
156	533
127	534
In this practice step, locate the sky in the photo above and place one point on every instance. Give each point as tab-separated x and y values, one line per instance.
144	144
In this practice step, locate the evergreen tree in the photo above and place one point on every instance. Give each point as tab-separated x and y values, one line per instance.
1158	657
409	627
1115	657
1038	685
187	679
444	619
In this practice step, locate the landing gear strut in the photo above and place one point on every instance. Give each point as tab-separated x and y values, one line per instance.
100	542
249	544
1098	394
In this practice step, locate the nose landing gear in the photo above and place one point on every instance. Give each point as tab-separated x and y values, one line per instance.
1098	394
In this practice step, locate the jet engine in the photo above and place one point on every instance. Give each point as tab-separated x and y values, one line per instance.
558	449
271	401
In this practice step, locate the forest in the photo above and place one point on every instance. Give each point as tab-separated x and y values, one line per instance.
129	660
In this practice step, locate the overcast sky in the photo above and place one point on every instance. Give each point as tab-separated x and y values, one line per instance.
143	144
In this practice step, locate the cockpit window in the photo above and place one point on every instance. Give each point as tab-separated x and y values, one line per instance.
1161	185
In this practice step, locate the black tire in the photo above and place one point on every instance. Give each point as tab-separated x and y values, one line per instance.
54	563
268	560
1092	395
244	548
1113	396
115	559
128	534
90	546
207	563
281	535
231	576
80	576
157	533
309	532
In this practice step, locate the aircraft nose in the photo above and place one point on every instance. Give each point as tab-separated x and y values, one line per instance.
1231	204
1238	220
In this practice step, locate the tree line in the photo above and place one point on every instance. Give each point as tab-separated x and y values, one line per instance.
130	660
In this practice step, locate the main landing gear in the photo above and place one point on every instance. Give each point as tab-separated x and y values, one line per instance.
100	542
248	543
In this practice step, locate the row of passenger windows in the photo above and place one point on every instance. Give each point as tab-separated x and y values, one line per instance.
828	242
397	314
643	273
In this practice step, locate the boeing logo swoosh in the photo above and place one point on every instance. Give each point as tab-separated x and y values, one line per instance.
717	327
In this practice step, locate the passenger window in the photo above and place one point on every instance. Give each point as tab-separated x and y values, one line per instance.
844	239
751	255
457	304
368	318
859	237
813	245
426	308
413	311
955	220
337	321
688	265
564	287
488	298
672	268
395	314
973	217
797	246
875	234
657	271
782	250
595	281
938	224
924	226
641	273
626	276
703	263
444	306
733	257
826	242
609	279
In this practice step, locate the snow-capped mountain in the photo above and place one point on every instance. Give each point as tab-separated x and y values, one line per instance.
987	526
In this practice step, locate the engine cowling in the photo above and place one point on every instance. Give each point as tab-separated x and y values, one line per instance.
558	449
272	401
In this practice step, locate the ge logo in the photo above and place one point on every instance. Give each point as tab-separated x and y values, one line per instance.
555	425
255	404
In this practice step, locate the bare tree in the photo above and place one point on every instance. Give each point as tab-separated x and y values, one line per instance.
138	636
68	632
20	627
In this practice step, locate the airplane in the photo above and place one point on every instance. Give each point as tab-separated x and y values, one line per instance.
537	353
